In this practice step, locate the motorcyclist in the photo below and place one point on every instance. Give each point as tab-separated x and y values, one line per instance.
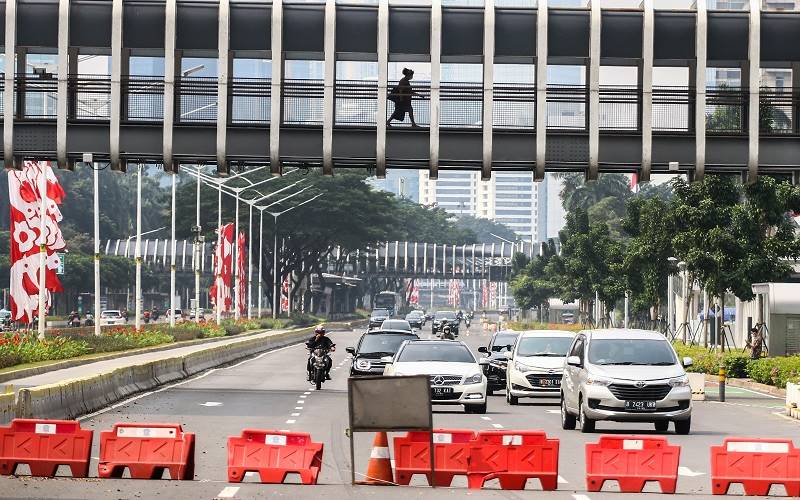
74	318
320	341
447	333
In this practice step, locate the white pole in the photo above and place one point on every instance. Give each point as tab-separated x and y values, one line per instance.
197	257
260	253
138	253
275	277
625	321
95	175
220	246
42	247
670	305
250	264
173	259
236	262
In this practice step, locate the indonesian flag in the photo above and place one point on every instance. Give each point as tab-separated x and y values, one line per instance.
223	267
492	293
635	183
25	203
484	294
285	294
413	292
240	257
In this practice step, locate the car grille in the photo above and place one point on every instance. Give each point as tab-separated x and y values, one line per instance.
655	392
535	380
446	379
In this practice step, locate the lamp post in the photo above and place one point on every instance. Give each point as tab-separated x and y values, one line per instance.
138	251
96	224
671	297
173	258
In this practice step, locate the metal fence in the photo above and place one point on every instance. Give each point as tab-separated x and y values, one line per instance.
40	95
250	101
514	106
143	98
461	105
566	107
619	108
777	110
356	102
302	102
196	99
726	110
420	104
673	109
89	97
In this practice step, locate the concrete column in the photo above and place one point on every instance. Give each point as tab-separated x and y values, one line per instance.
383	77
594	91
701	45
488	87
436	76
224	65
276	101
169	81
10	46
646	77
328	101
63	79
754	71
541	90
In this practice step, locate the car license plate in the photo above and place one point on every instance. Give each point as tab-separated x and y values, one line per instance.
441	391
550	382
640	405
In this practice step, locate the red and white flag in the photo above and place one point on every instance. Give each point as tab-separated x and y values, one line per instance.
223	267
240	257
285	294
25	206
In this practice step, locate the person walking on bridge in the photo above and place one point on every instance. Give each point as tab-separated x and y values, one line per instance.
401	97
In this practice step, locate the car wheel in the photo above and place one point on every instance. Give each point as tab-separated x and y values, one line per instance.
662	425
479	409
511	399
568	420
587	424
683	426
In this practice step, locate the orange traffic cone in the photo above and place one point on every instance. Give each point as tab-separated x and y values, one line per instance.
379	469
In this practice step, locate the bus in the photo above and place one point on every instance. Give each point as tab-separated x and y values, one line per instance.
386	300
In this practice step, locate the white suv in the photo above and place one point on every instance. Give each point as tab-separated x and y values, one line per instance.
536	364
625	376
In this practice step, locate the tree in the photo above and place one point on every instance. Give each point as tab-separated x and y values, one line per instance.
533	285
483	229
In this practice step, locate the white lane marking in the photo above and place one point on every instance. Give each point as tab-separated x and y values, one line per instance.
497	426
580	497
561	480
553	411
486	418
211	403
685	471
228	492
301	402
291	421
298	407
303	396
294	415
307	393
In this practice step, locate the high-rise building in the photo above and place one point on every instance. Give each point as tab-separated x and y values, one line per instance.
403	183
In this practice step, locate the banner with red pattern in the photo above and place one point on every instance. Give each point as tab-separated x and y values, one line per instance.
241	255
25	206
223	267
285	294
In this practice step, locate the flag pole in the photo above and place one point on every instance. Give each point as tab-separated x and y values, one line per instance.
42	248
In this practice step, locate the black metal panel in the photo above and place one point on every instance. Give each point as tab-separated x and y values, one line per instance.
515	32
779	151
248	142
514	146
727	36
194	140
301	143
356	29
87	138
354	143
621	34
568	33
667	148
35	139
568	148
620	149
144	140
409	31
3	24
461	145
462	32
90	23
37	23
407	144
780	37
726	150
143	25
304	28
251	26
674	35
198	26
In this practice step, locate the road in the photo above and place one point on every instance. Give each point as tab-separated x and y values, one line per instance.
270	392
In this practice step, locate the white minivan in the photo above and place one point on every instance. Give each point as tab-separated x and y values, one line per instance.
536	364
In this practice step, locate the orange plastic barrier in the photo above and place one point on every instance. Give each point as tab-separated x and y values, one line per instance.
451	449
273	454
44	445
632	461
757	464
146	450
513	457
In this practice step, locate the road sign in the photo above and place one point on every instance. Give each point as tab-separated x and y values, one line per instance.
61	256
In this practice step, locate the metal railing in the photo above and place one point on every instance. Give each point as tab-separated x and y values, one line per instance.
726	110
566	107
420	104
143	98
514	107
461	105
250	102
39	92
302	102
89	97
196	99
619	108
673	109
778	110
356	102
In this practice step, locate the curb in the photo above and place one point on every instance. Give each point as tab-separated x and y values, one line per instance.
746	383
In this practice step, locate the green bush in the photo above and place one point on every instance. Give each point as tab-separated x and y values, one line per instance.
775	371
736	364
302	319
21	348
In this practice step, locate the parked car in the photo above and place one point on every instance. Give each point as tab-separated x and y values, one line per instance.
499	347
374	345
194	312
416	319
625	376
378	316
396	324
455	374
111	317
536	364
442	318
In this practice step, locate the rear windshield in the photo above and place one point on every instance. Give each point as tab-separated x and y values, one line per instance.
504	342
395	325
380	312
631	352
386	345
544	346
454	353
445	315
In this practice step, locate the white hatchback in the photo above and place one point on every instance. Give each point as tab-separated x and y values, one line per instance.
456	376
536	364
111	317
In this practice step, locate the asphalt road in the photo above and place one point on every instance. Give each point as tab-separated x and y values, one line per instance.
270	392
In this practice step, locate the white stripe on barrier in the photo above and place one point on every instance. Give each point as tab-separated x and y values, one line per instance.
275	440
379	452
632	444
515	440
145	432
45	429
442	438
755	447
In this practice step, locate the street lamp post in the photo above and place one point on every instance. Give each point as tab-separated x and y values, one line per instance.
197	239
671	297
96	224
138	252
173	258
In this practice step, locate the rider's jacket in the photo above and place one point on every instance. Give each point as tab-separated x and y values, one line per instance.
319	342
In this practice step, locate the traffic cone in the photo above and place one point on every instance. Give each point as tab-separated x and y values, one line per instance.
379	468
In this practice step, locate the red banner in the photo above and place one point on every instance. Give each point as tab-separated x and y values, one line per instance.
25	207
285	294
223	267
240	258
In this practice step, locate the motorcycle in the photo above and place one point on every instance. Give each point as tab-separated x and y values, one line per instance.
467	322
89	320
317	364
75	321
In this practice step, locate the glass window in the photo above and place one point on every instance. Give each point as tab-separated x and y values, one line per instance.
428	351
504	342
631	352
386	345
544	346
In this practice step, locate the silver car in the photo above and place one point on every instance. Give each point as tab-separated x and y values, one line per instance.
625	376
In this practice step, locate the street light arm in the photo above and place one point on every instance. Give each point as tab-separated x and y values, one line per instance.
270	195
147	232
278	214
286	198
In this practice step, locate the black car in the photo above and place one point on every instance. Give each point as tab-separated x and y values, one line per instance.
378	316
416	319
374	345
442	318
502	342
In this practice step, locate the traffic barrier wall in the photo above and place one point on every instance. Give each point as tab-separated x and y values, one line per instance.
757	464
793	400
697	382
632	461
273	455
451	448
95	395
44	445
8	407
146	450
513	457
166	370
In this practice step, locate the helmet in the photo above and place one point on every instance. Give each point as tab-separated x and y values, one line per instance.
319	330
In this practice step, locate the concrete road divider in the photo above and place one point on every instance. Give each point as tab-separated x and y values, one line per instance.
632	461
146	450
513	457
273	455
43	445
697	382
793	400
757	464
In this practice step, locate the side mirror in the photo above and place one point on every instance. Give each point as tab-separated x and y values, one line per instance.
483	349
574	361
351	350
687	362
387	359
483	361
506	354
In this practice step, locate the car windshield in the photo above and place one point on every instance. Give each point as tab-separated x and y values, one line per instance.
395	324
631	352
504	342
383	344
380	312
423	351
414	314
109	314
544	346
445	315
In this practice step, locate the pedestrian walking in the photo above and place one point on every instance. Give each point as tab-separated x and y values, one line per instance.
401	97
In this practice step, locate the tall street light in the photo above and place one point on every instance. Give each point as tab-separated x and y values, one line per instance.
671	297
138	252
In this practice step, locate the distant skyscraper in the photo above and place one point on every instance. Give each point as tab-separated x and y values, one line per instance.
403	183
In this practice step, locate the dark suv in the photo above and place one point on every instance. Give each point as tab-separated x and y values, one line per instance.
501	344
442	318
378	316
374	345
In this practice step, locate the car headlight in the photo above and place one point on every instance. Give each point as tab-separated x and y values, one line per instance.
679	381
363	364
522	367
595	380
474	379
